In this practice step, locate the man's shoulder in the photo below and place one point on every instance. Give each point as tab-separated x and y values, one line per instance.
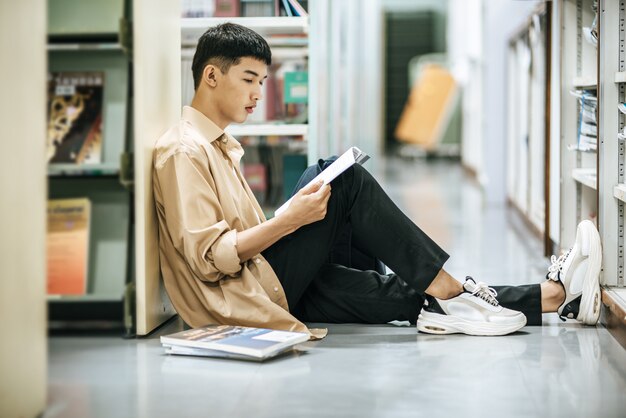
179	138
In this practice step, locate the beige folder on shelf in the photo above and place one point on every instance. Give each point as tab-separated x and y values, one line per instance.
428	110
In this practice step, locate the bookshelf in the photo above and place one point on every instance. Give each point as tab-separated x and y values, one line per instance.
121	39
578	74
74	46
193	28
528	135
612	182
592	181
586	176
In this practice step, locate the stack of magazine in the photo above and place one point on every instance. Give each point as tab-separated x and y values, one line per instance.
587	121
233	342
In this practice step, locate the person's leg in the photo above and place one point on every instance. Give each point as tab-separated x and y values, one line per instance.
377	223
343	295
527	299
384	231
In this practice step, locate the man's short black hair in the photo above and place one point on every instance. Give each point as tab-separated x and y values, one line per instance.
224	45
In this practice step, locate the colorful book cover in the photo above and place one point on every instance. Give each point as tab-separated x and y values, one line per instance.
75	102
296	87
256	177
68	246
226	8
258	343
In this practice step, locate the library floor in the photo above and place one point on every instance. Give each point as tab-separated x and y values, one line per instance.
559	369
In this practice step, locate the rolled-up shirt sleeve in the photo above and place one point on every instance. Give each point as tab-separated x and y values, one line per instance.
194	218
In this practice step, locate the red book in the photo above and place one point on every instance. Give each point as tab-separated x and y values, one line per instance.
226	8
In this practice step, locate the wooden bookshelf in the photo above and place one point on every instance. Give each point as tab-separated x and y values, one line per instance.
124	290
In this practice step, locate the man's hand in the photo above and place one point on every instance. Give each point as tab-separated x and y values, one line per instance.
309	204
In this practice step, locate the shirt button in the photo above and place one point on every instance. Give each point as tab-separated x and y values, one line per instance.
275	288
257	260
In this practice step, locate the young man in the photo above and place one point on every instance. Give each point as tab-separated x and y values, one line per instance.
223	262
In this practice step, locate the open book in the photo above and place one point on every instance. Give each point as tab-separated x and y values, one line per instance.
341	164
232	342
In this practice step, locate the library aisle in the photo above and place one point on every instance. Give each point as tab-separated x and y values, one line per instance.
559	369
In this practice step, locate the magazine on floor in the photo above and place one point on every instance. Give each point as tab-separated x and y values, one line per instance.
235	342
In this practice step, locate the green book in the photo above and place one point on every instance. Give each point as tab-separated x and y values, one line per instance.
296	87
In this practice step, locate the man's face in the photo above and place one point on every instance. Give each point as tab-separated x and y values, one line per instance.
239	90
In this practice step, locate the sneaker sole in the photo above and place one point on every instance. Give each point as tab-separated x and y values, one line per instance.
432	323
590	301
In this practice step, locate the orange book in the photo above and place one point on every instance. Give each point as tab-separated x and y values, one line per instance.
68	246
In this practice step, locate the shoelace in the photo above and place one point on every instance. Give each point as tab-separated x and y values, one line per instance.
486	293
555	269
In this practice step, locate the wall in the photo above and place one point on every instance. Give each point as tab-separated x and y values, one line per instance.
479	54
23	208
501	19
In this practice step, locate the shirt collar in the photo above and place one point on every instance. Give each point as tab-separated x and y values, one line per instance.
212	132
206	126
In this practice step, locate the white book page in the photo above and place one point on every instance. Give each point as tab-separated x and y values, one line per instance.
276	336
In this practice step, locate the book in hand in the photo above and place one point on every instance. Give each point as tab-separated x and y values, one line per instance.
227	341
75	102
68	246
346	160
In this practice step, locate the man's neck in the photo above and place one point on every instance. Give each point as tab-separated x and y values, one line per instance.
207	109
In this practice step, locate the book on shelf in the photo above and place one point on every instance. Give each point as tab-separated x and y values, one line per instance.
226	8
291	8
256	177
197	8
257	8
75	102
587	143
352	156
297	8
244	8
589	129
587	121
227	341
68	246
296	87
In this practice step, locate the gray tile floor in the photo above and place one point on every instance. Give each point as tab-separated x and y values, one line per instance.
559	369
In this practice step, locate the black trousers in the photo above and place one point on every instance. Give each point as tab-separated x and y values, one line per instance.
319	290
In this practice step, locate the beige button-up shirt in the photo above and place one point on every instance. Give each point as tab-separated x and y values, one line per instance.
202	201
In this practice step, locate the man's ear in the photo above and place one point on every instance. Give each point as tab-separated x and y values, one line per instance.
209	75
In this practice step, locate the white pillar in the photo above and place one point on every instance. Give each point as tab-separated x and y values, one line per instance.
23	208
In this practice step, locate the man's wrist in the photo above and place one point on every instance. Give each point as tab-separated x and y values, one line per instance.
285	224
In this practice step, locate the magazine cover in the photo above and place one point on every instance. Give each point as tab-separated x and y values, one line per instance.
75	102
68	246
247	341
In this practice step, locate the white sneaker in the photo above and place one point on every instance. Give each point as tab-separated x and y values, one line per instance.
578	271
476	311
